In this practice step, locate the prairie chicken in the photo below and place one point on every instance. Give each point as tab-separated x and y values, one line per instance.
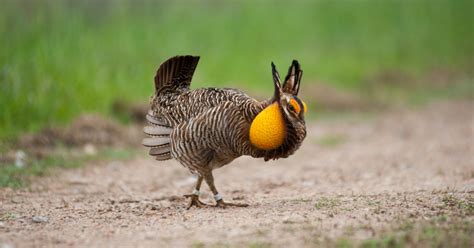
205	129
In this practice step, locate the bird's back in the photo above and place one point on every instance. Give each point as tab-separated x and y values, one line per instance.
174	108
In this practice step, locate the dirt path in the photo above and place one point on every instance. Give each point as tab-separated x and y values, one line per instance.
355	179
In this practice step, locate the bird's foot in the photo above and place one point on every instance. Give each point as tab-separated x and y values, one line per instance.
221	204
195	201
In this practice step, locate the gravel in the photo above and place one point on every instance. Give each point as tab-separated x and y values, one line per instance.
40	219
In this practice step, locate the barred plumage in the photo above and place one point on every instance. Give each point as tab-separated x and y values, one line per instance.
205	129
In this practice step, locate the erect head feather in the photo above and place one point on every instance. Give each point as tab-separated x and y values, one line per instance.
276	83
293	79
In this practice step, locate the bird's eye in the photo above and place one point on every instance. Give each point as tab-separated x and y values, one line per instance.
290	107
293	106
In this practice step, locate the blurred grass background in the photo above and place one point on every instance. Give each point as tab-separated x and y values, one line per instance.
61	58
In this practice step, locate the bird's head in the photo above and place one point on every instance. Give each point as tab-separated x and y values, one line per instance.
282	122
292	107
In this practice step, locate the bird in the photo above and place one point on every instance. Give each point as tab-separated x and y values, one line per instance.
207	128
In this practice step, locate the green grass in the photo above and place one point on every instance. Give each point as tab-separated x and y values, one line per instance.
432	233
16	177
61	58
426	235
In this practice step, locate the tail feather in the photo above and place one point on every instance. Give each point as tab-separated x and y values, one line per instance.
164	156
157	130
150	117
159	140
156	141
159	150
175	73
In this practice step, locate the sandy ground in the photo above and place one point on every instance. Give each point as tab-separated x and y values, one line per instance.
354	178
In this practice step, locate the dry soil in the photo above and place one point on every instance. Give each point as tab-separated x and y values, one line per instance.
353	179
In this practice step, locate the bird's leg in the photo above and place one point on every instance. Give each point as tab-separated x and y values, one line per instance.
219	202
195	195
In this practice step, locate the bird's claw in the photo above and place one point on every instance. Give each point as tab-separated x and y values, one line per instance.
195	202
222	204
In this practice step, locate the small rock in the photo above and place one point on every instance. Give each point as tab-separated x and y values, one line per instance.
2	224
40	219
16	200
20	159
89	149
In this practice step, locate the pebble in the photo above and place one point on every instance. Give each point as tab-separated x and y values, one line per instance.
16	200
40	219
2	224
90	149
20	159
